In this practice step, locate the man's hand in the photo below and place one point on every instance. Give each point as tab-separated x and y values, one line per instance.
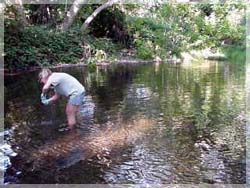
44	100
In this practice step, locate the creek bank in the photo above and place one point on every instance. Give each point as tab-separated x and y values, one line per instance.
103	63
186	57
205	54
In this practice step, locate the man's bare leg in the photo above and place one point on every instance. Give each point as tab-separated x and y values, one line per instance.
71	111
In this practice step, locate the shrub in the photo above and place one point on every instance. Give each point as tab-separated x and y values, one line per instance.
41	46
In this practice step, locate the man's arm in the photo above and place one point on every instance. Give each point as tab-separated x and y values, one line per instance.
54	97
45	88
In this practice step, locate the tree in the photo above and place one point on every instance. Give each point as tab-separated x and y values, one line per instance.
20	11
96	12
74	9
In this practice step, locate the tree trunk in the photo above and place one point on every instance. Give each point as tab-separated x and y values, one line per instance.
72	13
96	12
20	10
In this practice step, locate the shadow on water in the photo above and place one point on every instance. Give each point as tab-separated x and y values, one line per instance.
156	123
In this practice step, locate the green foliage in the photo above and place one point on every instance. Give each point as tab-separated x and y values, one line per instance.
136	24
144	52
46	14
102	43
99	55
235	54
148	34
12	20
41	46
109	23
101	49
161	31
37	46
173	28
85	11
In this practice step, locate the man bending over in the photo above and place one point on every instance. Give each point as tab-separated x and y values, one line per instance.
65	85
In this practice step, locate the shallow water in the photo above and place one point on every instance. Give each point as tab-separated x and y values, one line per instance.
152	123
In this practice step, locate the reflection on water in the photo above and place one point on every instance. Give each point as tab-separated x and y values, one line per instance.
73	147
138	124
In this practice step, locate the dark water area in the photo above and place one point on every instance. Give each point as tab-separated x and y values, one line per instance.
151	123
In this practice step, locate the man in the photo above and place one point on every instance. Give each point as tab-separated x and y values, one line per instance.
65	85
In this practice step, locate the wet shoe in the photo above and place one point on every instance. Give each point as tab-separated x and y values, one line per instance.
64	125
64	129
67	130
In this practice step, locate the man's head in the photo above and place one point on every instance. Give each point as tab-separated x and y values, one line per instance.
44	75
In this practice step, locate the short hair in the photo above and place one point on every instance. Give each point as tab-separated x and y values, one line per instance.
44	73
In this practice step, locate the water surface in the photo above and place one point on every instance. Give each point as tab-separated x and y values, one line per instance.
152	123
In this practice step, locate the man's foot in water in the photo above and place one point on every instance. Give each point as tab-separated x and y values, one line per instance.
63	125
64	129
67	129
